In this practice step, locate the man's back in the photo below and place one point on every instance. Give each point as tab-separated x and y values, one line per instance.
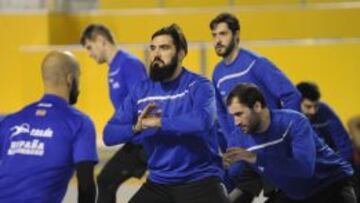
40	146
329	127
125	71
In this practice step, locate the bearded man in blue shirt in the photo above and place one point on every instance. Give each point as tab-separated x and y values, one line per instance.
281	146
172	114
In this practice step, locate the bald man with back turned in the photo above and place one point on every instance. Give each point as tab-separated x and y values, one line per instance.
43	144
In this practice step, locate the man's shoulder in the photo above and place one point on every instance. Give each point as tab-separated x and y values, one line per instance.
196	79
325	108
288	114
127	57
78	115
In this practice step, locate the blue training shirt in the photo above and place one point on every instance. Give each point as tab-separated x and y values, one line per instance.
292	157
2	117
248	67
125	71
329	127
39	147
184	149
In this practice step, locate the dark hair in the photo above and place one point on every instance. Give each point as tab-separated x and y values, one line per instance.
248	94
93	30
228	18
174	31
309	90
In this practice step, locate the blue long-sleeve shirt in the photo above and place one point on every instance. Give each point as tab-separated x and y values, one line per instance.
248	67
39	148
184	149
2	117
292	157
125	71
329	127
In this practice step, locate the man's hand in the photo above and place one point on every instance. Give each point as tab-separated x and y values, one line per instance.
238	154
151	122
144	114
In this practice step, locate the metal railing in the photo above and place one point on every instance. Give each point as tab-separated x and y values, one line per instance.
76	5
200	48
22	4
51	5
163	3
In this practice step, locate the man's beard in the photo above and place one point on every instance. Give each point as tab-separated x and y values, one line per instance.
101	59
228	49
74	93
160	74
255	123
311	117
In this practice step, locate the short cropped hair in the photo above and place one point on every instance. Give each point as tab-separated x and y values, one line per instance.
93	30
247	94
309	90
228	18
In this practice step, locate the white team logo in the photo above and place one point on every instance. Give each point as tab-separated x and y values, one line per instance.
20	129
34	147
115	85
27	147
115	72
34	132
46	105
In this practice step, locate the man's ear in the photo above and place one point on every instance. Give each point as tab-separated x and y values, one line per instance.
257	107
69	79
237	36
181	55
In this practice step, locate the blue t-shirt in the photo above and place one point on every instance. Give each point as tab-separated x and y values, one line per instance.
248	67
125	72
39	147
329	127
184	149
291	156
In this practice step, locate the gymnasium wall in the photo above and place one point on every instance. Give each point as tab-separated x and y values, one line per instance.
315	43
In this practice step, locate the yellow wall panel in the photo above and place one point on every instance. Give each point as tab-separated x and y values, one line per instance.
265	2
327	1
138	25
192	60
195	3
115	4
19	68
333	66
17	30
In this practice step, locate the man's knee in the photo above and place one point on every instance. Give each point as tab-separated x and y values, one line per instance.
105	179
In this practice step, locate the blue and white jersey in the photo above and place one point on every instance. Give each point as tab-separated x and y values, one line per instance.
329	127
184	149
248	67
291	156
39	147
2	117
125	71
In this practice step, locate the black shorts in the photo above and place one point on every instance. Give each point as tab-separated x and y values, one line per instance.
340	191
130	160
251	182
208	190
